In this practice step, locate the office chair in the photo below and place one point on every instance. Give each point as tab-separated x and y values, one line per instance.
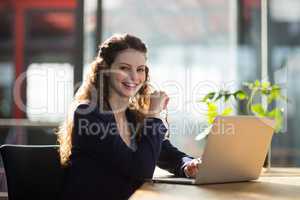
32	172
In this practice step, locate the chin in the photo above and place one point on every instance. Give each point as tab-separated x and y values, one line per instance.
124	93
128	94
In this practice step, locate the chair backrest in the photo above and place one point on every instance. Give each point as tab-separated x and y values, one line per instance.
32	172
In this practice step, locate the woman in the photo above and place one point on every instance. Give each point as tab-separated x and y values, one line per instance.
114	137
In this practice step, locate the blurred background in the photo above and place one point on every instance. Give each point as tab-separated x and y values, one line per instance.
194	46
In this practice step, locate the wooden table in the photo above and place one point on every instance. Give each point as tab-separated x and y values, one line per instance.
276	183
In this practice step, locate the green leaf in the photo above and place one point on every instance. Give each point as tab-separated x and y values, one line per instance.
275	87
212	107
211	118
274	95
256	83
212	112
240	95
227	111
276	114
265	91
265	85
258	110
226	97
276	91
209	96
218	97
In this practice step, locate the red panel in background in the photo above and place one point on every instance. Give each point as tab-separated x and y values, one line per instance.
48	4
19	59
38	3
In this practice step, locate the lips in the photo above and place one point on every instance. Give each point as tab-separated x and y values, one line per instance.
131	86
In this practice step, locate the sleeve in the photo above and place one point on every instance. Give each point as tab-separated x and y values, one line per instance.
97	135
173	160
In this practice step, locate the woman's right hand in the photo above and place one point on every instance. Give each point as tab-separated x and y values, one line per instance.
158	102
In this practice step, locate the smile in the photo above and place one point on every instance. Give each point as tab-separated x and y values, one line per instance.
130	86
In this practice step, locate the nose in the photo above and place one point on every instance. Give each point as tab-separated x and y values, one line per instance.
134	76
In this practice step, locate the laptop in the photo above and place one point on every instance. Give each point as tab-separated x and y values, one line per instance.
235	151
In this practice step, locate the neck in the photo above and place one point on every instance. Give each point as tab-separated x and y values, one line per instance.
118	103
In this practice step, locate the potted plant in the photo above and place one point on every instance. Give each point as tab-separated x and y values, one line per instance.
251	95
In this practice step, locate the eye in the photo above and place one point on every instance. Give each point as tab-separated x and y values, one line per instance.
124	68
142	69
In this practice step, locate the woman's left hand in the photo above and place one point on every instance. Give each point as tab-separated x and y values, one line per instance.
191	168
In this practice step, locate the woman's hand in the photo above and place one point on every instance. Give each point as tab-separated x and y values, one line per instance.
158	102
191	168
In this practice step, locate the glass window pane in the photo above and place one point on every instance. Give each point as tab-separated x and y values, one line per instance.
284	60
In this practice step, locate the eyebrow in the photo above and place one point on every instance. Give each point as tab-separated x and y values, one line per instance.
130	65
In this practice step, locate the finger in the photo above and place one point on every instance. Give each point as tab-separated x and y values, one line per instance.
194	163
191	168
192	173
194	170
199	160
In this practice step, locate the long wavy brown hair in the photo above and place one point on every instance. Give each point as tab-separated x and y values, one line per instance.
93	90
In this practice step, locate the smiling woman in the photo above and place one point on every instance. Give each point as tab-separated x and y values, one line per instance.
114	137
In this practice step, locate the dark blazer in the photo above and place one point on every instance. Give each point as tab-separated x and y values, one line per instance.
102	166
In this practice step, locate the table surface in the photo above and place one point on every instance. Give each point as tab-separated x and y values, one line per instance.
275	183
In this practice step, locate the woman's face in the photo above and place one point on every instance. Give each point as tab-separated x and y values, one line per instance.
128	73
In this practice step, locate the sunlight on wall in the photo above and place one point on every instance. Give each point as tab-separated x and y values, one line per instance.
49	91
